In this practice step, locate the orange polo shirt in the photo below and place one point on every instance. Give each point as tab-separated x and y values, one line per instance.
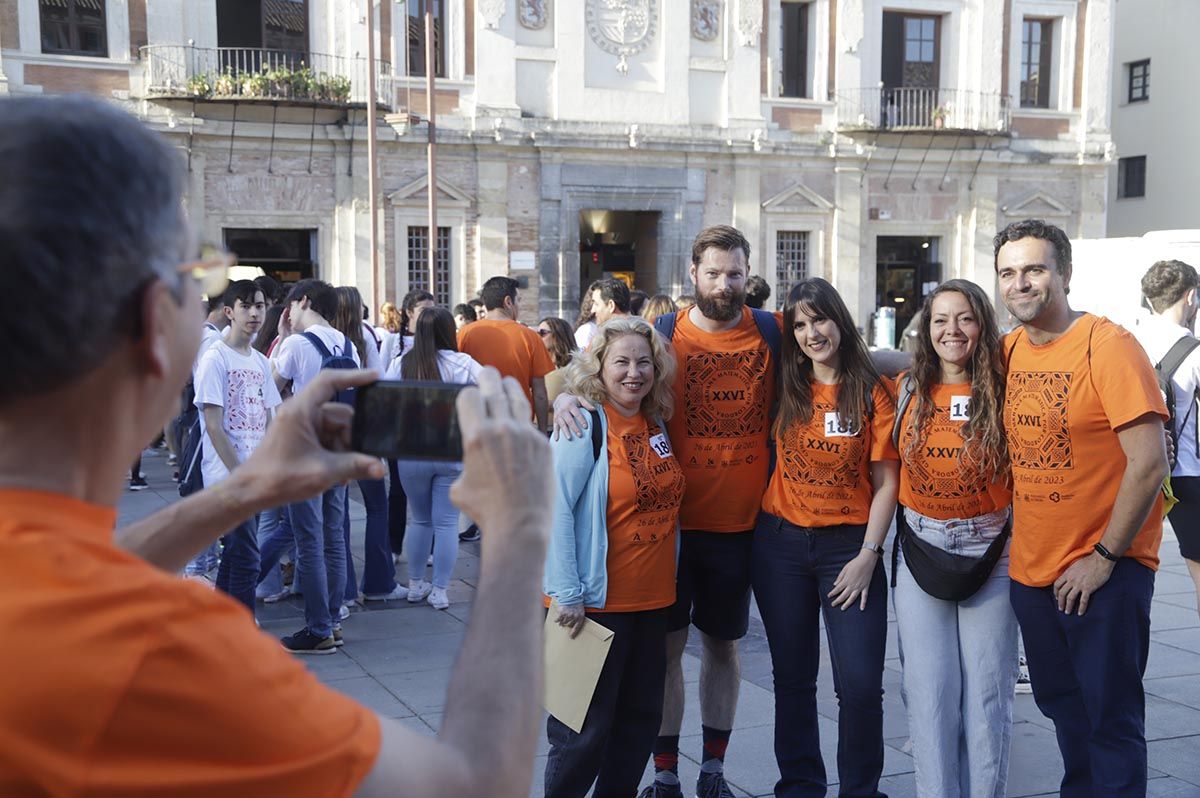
511	348
645	487
724	389
1064	402
122	680
932	478
822	470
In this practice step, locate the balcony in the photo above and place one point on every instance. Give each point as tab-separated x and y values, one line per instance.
252	74
924	110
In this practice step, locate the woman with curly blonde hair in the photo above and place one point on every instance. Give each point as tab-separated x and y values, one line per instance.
959	642
613	552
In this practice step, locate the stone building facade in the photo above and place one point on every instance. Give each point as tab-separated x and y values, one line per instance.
877	143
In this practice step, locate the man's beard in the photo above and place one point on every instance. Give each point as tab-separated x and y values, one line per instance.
720	308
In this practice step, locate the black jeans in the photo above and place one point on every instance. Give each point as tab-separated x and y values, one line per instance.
623	718
1087	677
793	573
397	509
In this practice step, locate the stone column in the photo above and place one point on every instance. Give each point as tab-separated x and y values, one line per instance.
492	202
747	207
852	276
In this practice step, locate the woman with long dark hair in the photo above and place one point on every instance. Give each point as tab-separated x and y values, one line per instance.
818	542
379	570
397	343
434	357
959	650
560	343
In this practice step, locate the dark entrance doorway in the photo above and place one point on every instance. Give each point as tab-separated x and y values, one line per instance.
907	269
286	255
620	244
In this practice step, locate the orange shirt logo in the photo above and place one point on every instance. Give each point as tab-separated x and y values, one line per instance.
822	453
1035	410
726	394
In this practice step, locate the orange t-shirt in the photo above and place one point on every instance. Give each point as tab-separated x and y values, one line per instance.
512	349
724	388
645	487
1064	402
128	681
822	471
932	479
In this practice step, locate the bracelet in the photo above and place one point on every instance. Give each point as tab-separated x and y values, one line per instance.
1105	553
875	547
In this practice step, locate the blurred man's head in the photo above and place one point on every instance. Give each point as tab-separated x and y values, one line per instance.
1170	287
499	295
92	241
610	297
311	303
758	291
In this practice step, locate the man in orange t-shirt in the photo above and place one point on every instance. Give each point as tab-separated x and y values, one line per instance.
500	341
129	681
1084	420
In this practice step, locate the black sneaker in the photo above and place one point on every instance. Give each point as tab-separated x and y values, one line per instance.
659	790
305	642
712	785
138	483
470	535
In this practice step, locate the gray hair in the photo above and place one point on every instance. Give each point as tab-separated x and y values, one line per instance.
90	210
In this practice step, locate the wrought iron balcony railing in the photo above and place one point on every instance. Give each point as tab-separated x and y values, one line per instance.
910	108
243	73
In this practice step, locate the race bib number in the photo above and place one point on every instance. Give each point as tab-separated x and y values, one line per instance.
661	446
960	408
835	428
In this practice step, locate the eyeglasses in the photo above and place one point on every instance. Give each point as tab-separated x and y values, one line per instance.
211	271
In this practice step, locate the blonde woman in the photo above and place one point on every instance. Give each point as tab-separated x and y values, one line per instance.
613	553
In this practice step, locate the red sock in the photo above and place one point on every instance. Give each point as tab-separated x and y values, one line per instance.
715	743
666	754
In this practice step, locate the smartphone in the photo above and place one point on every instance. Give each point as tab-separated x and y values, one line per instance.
407	420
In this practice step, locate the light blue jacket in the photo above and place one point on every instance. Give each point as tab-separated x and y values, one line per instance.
577	559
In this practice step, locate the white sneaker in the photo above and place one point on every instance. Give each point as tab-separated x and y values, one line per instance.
398	592
1024	686
272	598
418	589
343	612
438	599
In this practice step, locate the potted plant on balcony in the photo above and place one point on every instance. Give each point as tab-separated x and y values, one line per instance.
199	86
339	88
303	83
279	82
939	116
256	84
226	84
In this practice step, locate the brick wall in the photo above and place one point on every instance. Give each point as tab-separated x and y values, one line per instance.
251	188
64	79
524	205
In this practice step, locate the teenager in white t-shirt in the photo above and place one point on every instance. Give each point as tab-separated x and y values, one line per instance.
235	393
317	522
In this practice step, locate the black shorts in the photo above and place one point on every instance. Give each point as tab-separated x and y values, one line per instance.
1185	516
713	587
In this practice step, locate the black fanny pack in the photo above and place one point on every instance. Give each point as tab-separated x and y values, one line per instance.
946	576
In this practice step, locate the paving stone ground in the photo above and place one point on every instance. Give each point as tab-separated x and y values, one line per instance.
398	659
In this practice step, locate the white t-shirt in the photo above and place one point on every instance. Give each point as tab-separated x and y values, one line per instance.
296	358
394	345
242	386
372	346
583	336
1157	335
454	366
208	335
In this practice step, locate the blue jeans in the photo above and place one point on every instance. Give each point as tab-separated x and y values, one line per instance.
205	561
238	572
793	572
434	518
320	557
1087	677
960	667
274	539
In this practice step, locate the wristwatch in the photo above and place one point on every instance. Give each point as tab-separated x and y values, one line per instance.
875	547
1105	553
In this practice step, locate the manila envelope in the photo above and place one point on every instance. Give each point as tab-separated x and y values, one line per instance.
573	668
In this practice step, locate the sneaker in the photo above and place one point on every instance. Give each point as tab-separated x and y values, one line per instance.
712	785
398	592
288	572
1024	685
337	636
418	590
138	483
343	612
658	789
470	535
305	642
273	598
429	561
438	599
172	459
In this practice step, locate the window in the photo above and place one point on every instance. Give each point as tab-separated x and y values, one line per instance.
795	50
418	261
1131	177
74	27
1037	39
416	36
1139	81
791	260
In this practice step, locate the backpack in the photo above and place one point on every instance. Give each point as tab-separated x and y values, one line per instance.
331	361
903	400
191	454
1165	371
